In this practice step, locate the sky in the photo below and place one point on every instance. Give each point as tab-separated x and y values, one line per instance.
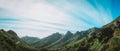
41	18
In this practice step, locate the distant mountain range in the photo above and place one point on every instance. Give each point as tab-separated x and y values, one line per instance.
30	40
48	40
106	38
57	40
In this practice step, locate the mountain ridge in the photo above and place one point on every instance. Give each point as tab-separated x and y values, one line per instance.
106	38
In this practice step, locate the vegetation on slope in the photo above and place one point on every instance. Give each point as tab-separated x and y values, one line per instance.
9	41
106	39
30	40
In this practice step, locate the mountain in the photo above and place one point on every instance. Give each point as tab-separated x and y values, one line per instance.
105	39
30	40
9	41
78	35
57	40
61	42
48	40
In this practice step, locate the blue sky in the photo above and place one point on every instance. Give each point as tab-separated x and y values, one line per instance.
40	18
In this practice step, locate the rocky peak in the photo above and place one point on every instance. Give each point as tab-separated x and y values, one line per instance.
12	32
77	32
69	33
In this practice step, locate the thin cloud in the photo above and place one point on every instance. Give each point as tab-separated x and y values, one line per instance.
41	18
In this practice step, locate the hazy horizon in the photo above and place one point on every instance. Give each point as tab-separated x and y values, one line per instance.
40	18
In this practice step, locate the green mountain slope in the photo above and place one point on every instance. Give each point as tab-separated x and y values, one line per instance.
61	42
57	40
106	39
47	40
78	35
9	41
30	40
